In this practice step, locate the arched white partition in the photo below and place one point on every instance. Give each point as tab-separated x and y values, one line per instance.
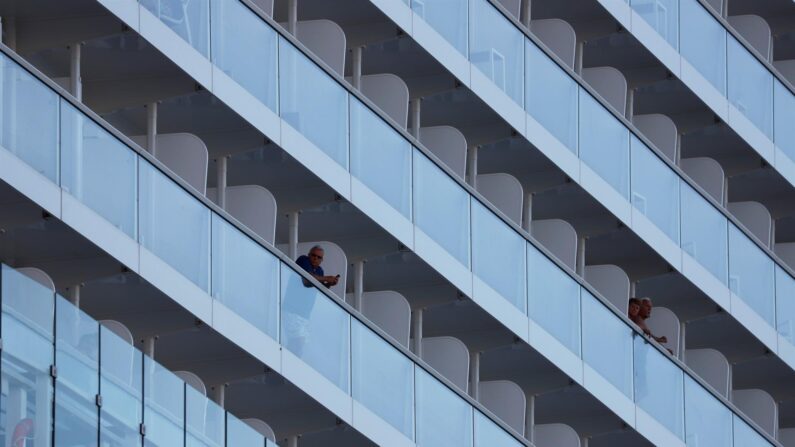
759	406
390	311
253	205
447	143
610	84
326	40
120	363
559	237
505	192
711	366
193	380
265	5
38	275
119	329
786	251
663	322
612	282
185	154
450	357
661	130
555	435
506	400
786	436
389	93
787	68
755	217
559	36
261	427
512	6
708	173
756	31
334	262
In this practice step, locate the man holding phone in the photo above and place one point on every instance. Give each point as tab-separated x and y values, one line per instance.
311	263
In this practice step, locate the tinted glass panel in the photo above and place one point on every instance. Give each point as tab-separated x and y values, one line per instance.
190	20
606	344
750	87
703	43
448	18
604	143
655	189
752	275
659	387
496	48
443	418
164	413
704	233
707	421
662	15
121	386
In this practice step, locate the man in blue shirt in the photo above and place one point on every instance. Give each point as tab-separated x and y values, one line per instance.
311	263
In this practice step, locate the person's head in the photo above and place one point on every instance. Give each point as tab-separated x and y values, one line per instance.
315	255
634	307
645	308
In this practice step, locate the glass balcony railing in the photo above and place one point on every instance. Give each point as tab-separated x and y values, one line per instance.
44	333
607	147
247	278
317	330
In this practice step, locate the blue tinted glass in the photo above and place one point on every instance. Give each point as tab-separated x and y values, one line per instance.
441	208
121	386
785	305
662	15
189	19
247	51
784	117
496	48
745	436
29	122
448	18
27	334
604	143
750	87
77	384
703	43
174	225
164	413
707	421
313	103
554	299
98	170
383	379
245	277
204	420
315	329
659	387
752	275
240	433
498	255
489	434
704	233
443	418
551	97
380	158
606	344
655	189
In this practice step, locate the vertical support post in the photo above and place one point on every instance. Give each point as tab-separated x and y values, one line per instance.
472	166
581	256
630	112
292	249
358	284
525	13
292	16
74	295
415	106
682	340
219	394
633	289
578	56
530	418
356	66
221	166
151	128
292	441
474	375
527	212
416	329
149	346
75	80
584	441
